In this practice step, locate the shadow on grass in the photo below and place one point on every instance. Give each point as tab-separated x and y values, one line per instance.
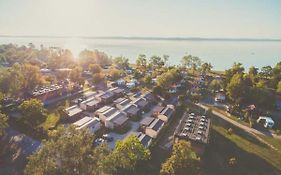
222	149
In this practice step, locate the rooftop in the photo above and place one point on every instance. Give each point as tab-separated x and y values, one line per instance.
144	139
140	102
194	127
156	125
73	110
131	109
168	111
86	121
147	121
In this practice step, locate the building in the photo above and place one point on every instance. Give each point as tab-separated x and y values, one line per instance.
120	103
267	122
146	121
105	97
141	103
120	82
74	113
196	129
220	97
93	124
166	113
112	118
148	96
154	128
89	94
131	110
144	139
90	104
157	110
48	92
118	92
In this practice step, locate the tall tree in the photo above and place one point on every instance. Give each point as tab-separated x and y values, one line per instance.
141	62
126	155
236	89
33	112
68	151
76	75
183	161
95	68
121	62
191	62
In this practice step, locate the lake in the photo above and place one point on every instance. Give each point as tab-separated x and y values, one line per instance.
221	54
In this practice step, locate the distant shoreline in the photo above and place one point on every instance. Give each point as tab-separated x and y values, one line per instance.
150	38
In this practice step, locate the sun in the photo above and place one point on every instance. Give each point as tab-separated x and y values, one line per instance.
75	45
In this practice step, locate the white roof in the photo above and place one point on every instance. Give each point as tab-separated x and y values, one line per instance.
268	119
86	121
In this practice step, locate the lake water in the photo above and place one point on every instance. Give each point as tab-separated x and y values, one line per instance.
221	54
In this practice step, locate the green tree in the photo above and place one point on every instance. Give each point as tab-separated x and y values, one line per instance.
126	156
278	89
32	76
236	89
206	67
115	74
141	62
76	75
216	85
121	62
183	161
3	124
156	61
236	68
68	151
191	62
95	68
33	112
147	80
266	72
98	77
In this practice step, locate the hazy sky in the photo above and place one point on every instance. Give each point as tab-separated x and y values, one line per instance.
160	18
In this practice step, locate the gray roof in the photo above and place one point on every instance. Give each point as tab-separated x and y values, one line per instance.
131	109
73	110
156	125
167	112
147	120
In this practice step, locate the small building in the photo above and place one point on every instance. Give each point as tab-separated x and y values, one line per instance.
104	112
120	82
105	97
118	92
146	122
196	130
48	92
131	110
142	103
89	94
117	120
144	139
93	124
154	128
148	96
157	110
166	113
120	103
74	113
90	104
267	122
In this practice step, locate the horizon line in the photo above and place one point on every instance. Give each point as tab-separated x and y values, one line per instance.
148	38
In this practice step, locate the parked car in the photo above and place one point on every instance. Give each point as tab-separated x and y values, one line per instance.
107	137
99	141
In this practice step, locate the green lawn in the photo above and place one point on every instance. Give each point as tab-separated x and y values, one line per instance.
253	157
50	122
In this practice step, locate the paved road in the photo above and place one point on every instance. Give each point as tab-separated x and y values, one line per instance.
245	128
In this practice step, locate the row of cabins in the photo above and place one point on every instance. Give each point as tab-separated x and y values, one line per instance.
153	125
48	92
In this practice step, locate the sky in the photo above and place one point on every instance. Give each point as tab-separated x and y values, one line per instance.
142	18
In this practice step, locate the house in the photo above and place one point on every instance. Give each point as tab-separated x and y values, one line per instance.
148	96
135	95
195	129
166	113
104	112
118	92
142	103
89	94
157	110
131	110
93	124
120	82
90	104
105	97
267	122
146	122
154	128
74	113
117	120
120	103
144	139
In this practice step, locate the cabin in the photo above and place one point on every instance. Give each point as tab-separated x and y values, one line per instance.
93	124
166	114
148	96
104	112
117	120
144	139
120	103
131	110
90	104
105	97
118	92
74	113
141	103
154	128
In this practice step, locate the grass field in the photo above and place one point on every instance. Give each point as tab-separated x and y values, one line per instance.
253	156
